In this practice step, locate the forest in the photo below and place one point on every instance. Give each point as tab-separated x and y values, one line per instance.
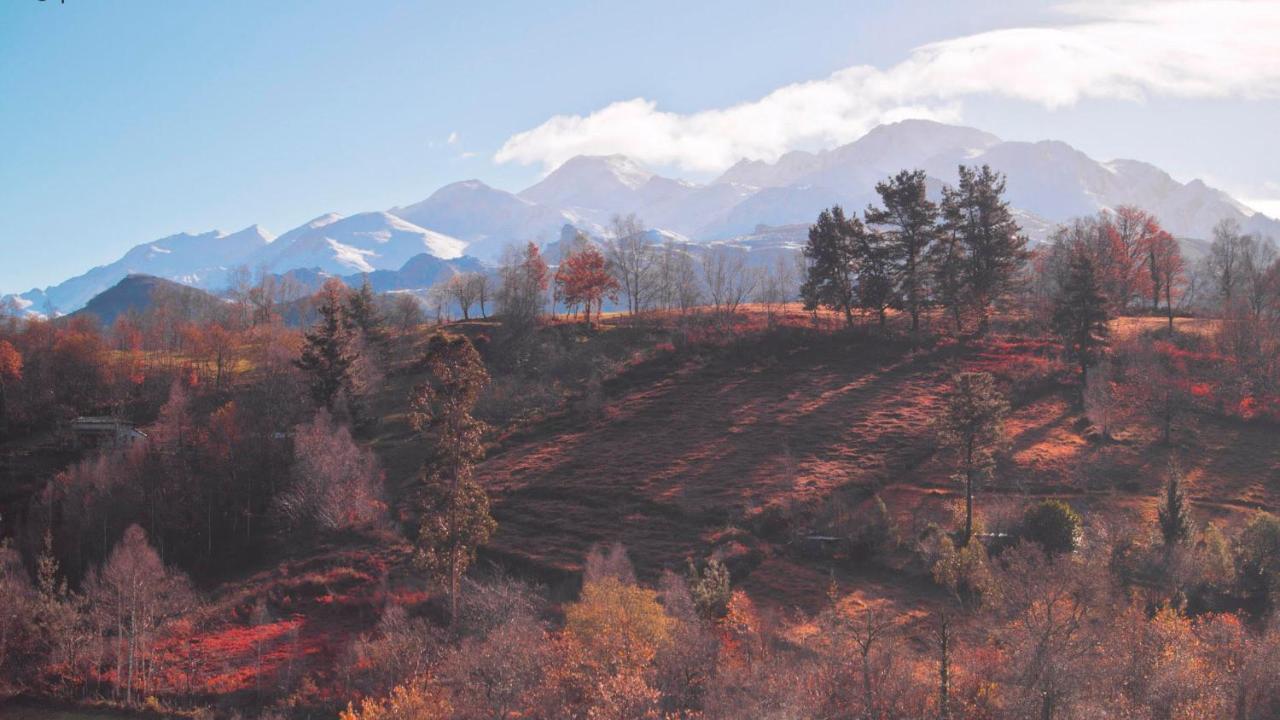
918	468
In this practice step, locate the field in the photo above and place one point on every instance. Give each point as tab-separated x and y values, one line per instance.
731	450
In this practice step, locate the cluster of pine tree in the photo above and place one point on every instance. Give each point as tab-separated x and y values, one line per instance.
962	254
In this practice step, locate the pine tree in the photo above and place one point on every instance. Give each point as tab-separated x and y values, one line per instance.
454	517
1080	316
329	352
992	246
972	428
877	289
832	252
364	316
1173	514
948	258
908	221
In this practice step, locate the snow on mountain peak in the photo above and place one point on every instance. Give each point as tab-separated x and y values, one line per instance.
591	181
360	243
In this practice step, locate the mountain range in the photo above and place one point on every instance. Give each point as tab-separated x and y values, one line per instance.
754	203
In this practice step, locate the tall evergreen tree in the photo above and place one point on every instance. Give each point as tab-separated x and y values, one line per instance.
454	517
947	260
1080	315
909	223
364	316
877	289
330	351
972	428
991	249
1173	514
832	252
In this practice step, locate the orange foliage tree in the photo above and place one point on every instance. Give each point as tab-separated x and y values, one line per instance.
584	279
10	371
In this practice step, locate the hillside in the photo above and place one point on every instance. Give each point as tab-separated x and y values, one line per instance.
757	440
758	431
138	293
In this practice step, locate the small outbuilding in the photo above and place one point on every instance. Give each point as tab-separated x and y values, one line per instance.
90	432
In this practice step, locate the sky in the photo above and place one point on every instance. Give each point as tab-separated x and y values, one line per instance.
124	122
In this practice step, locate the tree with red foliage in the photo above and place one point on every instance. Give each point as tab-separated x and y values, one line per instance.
1133	233
584	279
1167	268
10	371
78	368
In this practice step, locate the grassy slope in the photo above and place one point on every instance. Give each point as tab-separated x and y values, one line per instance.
705	449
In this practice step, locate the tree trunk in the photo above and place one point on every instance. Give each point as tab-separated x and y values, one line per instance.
869	704
968	493
968	508
944	671
453	589
1084	379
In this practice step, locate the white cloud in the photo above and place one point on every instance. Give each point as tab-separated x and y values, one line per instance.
453	138
1125	50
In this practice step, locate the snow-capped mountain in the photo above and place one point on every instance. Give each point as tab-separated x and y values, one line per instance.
486	218
361	243
1049	182
753	204
198	260
598	186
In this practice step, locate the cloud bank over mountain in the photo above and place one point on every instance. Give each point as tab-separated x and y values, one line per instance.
1112	50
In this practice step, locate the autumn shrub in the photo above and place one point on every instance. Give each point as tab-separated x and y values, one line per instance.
336	484
685	668
489	603
965	571
419	699
709	587
399	648
499	673
1052	525
1258	556
620	625
612	563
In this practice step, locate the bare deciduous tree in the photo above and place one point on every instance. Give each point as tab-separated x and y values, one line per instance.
633	260
135	595
728	279
336	483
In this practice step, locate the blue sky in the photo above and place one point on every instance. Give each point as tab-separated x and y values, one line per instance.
123	122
